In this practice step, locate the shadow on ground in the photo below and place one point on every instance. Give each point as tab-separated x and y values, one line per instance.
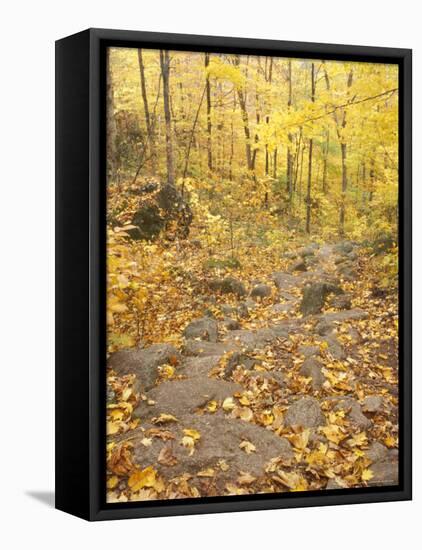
45	497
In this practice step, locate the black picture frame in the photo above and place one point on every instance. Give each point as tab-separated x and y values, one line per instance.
80	273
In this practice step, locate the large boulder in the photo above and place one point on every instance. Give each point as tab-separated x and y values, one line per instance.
343	247
251	339
385	472
342	302
305	412
300	265
314	296
353	412
240	359
285	281
311	368
228	285
219	443
143	362
182	397
159	207
203	328
204	349
261	291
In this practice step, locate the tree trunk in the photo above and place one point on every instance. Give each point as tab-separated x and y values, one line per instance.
308	194
245	118
344	166
325	164
209	123
165	71
111	125
150	129
289	172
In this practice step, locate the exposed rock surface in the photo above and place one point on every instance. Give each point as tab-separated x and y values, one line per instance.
314	296
203	328
228	285
143	362
305	412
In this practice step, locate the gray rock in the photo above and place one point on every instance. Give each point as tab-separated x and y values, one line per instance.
347	271
193	367
342	302
165	204
272	376
311	368
240	359
314	296
228	285
220	440
243	310
333	484
376	452
308	351
340	316
251	339
261	291
203	328
203	348
143	362
227	309
373	404
231	324
305	412
182	397
385	472
354	412
323	327
307	251
283	308
290	255
300	265
344	247
334	347
284	281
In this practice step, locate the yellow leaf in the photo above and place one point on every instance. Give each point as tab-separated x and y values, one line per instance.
164	418
228	404
142	478
194	434
248	447
212	406
367	475
112	482
209	472
113	428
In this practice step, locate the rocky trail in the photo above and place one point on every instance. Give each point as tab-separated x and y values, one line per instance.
284	384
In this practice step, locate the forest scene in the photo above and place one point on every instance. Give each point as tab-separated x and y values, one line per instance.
252	275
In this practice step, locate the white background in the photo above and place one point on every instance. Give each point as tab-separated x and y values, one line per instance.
27	272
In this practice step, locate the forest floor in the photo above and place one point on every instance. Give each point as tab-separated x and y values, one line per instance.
281	380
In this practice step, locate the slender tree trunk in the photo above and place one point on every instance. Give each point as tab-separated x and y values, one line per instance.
148	121
245	118
111	125
165	71
275	164
343	145
308	193
289	173
325	164
209	123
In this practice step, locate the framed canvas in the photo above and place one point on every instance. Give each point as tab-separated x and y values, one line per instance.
233	274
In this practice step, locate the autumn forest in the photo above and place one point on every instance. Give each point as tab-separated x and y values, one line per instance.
252	313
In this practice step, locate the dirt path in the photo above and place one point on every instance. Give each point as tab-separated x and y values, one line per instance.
275	389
